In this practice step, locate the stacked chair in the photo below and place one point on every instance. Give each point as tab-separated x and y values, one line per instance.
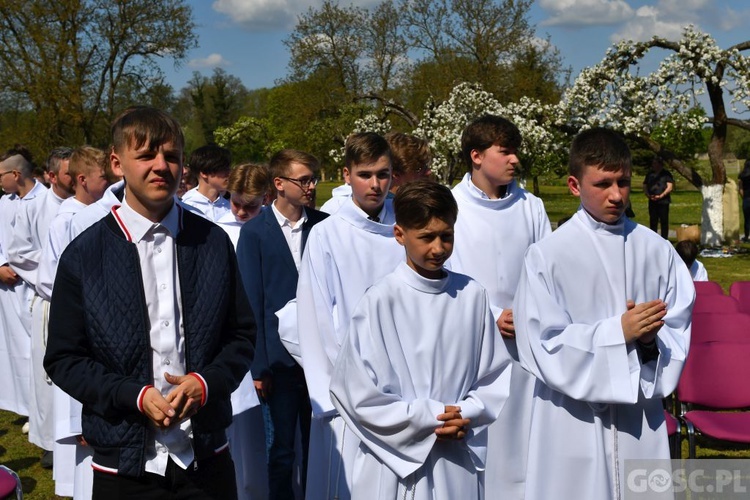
713	394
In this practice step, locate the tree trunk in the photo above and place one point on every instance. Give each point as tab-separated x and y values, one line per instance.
712	219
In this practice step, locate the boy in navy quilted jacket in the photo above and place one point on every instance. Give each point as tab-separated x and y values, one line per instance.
151	330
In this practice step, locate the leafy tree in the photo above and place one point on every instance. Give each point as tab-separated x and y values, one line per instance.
69	62
620	93
208	103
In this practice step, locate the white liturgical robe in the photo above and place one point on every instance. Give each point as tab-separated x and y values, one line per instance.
491	238
15	344
596	405
344	255
414	346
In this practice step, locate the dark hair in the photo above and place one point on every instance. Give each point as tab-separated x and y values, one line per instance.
745	170
688	251
281	161
409	153
55	158
18	149
418	202
601	148
365	147
487	131
210	159
138	124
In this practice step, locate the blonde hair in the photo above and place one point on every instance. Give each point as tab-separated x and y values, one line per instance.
250	179
83	160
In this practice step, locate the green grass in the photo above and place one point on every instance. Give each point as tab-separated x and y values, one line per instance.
18	454
23	457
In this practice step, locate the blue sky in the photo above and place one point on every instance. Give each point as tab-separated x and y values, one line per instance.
244	37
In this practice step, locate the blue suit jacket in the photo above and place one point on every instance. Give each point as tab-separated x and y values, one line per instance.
270	281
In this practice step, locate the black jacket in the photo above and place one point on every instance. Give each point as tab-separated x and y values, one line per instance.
99	345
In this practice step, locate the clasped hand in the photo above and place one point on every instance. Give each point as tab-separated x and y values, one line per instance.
454	425
643	321
182	402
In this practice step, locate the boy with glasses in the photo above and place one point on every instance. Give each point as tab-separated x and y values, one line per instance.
269	253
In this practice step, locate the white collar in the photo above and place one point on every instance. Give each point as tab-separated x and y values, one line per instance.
135	226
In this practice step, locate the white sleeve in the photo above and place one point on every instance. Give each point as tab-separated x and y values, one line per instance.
23	252
591	362
317	334
57	240
367	394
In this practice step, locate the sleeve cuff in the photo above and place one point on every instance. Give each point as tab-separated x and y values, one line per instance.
141	395
204	385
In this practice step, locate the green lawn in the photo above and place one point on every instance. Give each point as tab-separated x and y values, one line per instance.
18	454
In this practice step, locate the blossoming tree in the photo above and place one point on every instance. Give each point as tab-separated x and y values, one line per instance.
617	93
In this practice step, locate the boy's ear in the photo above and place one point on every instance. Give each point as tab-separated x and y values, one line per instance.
277	184
476	157
398	233
345	172
114	164
574	185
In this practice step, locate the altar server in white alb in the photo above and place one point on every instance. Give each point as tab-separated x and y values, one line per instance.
497	221
603	316
90	176
18	183
422	372
30	231
344	256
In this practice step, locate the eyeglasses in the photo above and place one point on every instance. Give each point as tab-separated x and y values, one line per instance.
303	182
8	172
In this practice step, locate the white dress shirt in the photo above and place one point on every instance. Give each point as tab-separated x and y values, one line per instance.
211	210
292	232
161	284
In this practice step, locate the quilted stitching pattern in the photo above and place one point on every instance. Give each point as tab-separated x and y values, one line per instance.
118	326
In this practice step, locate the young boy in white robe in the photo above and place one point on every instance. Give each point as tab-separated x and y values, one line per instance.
497	221
422	372
345	254
603	316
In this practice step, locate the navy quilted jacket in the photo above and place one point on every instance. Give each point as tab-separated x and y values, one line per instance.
99	347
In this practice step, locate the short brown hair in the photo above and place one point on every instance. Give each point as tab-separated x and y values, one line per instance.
409	153
281	161
598	147
250	179
84	158
365	147
138	124
487	131
418	202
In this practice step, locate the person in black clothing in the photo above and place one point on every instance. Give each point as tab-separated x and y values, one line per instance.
151	330
657	185
744	186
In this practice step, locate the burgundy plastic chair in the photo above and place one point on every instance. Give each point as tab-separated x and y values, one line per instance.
740	290
713	303
720	327
708	288
10	485
715	378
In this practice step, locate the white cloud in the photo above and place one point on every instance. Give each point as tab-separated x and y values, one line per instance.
269	15
573	13
212	61
649	21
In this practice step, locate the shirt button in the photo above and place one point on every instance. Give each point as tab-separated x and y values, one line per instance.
165	323
167	362
158	249
163	286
